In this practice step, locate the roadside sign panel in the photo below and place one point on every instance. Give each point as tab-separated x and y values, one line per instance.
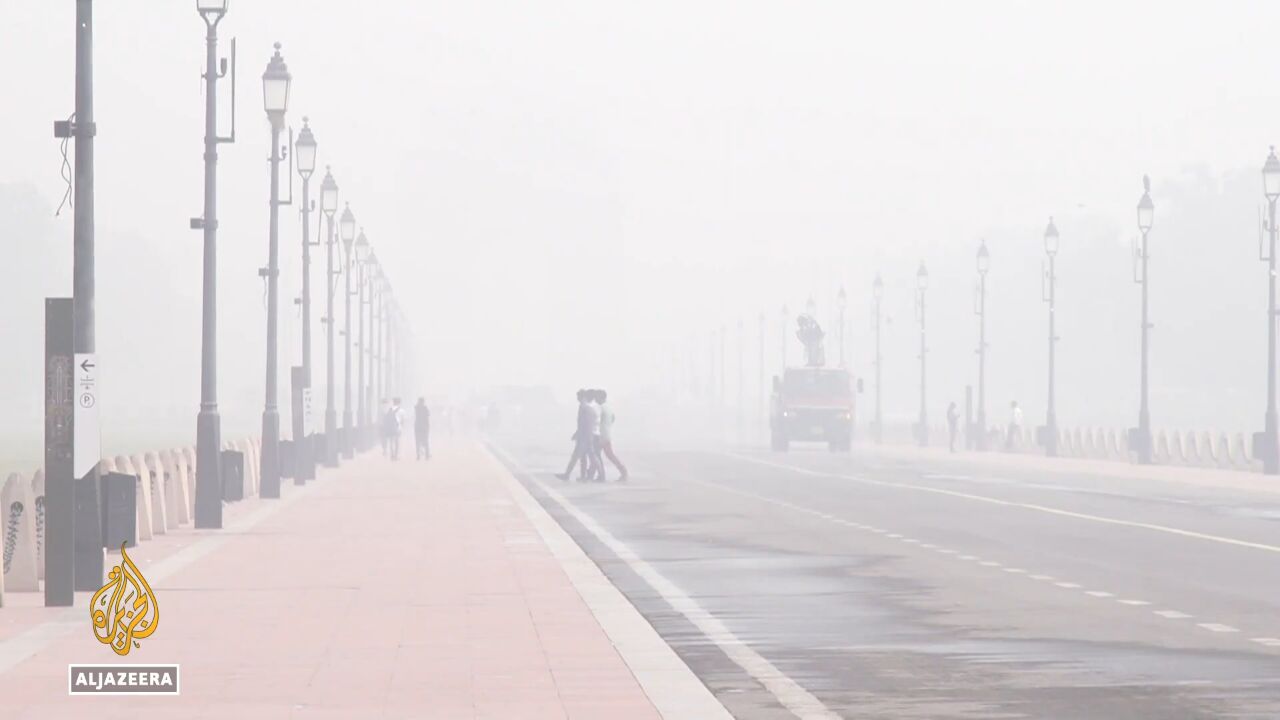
88	439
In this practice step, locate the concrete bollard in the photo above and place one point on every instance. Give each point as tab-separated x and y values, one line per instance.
160	486
18	506
37	494
188	455
177	487
125	465
152	495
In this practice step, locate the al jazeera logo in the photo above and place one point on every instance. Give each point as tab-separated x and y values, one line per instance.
124	612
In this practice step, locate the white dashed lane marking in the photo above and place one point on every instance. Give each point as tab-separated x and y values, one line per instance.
1168	614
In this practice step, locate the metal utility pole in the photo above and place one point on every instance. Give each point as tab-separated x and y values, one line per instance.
362	264
74	557
275	81
304	154
347	228
922	284
877	293
1146	214
208	501
1270	441
329	206
1050	296
984	264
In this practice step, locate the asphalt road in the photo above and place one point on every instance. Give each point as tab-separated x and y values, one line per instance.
819	585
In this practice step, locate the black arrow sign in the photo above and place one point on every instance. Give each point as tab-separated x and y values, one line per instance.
87	366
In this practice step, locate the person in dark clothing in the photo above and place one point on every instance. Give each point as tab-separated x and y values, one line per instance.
422	429
583	438
953	422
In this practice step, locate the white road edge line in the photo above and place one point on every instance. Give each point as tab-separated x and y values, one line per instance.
1010	503
666	679
1217	627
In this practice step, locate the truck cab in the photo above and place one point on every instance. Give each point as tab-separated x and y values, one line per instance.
812	404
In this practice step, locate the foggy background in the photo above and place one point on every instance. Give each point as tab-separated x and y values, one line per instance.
582	193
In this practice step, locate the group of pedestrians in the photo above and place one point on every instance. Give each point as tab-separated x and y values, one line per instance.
593	439
392	427
1012	436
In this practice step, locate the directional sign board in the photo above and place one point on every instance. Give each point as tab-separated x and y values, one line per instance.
87	450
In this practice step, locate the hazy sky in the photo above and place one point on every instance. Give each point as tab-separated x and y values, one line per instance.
566	192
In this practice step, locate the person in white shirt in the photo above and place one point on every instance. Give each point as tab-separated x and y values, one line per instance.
1015	425
588	429
606	435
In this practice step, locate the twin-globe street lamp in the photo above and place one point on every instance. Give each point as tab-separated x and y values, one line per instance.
276	82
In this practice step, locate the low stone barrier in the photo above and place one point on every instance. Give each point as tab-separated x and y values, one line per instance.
18	504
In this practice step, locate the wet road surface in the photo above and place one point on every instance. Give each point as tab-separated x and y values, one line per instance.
812	584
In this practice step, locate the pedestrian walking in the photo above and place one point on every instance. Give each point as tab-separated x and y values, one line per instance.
606	434
384	408
1015	425
581	437
392	428
953	423
422	430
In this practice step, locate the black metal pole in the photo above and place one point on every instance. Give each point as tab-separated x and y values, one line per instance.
304	457
88	523
330	409
981	439
208	501
924	405
270	461
1271	451
348	451
363	414
879	425
1051	425
1144	411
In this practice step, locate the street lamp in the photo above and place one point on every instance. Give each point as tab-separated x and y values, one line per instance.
208	501
922	284
1270	442
329	206
877	294
1146	216
362	264
1049	295
841	301
304	156
347	231
984	264
275	93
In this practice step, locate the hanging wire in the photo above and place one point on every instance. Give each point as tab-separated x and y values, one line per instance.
67	198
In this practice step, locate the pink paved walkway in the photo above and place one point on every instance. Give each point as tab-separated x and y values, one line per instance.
384	590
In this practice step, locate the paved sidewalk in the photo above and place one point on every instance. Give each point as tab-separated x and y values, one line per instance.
382	590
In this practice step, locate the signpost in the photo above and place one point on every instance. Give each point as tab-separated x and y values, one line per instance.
59	493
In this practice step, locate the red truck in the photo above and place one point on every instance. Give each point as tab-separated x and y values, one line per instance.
812	404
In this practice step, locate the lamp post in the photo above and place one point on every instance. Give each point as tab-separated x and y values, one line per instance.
922	284
877	294
304	156
362	263
1271	442
984	264
375	339
329	206
1146	217
275	92
841	301
208	502
347	229
1049	295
